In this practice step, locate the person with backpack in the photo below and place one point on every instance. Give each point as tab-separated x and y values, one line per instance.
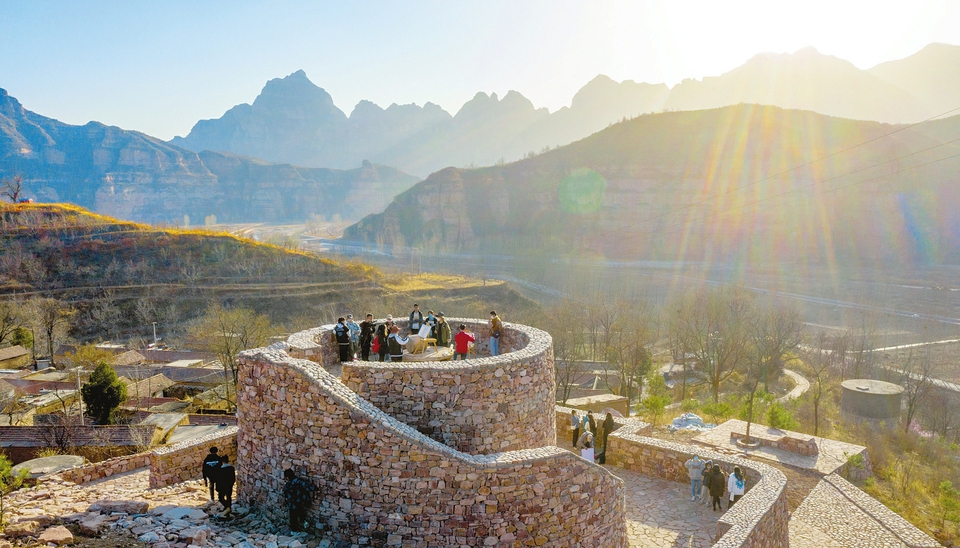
736	485
342	333
298	494
716	483
211	463
395	343
496	329
461	343
226	477
367	331
416	319
354	328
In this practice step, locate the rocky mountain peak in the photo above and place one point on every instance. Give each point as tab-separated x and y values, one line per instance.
296	92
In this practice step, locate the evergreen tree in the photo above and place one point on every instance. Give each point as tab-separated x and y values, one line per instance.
103	393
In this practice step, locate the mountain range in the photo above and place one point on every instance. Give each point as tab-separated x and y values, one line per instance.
293	120
748	183
134	176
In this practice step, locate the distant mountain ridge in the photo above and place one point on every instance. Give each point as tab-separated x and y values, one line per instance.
134	176
295	121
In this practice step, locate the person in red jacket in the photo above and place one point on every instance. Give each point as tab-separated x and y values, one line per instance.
461	343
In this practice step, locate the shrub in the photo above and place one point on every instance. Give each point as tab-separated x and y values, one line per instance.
718	411
779	417
689	405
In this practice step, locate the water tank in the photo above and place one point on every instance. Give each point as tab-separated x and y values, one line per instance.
871	399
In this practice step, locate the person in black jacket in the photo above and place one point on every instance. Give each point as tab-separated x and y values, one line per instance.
226	477
299	494
211	464
367	327
395	343
342	333
716	484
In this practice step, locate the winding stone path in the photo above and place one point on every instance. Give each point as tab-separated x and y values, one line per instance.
802	386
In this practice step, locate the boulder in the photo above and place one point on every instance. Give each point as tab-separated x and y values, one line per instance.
185	513
22	529
120	506
56	535
149	537
195	535
91	526
42	520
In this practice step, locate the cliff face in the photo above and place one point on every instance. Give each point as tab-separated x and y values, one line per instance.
134	176
700	186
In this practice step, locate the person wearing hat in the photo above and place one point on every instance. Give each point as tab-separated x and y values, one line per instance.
442	332
396	343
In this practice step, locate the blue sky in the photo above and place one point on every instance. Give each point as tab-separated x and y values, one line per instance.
158	67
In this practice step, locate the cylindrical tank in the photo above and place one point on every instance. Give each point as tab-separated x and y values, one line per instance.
871	399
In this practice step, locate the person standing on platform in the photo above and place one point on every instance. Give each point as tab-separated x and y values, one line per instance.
416	319
395	343
442	332
496	329
342	333
354	328
367	329
695	472
462	342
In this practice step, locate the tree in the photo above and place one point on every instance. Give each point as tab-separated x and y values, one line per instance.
948	503
11	320
103	393
714	326
13	188
53	318
564	322
628	348
915	376
227	332
9	482
773	332
23	337
819	358
657	398
88	356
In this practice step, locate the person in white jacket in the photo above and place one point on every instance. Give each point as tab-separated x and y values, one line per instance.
736	484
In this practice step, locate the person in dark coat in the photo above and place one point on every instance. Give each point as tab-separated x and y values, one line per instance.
298	494
396	343
607	428
383	333
342	333
443	332
211	464
416	319
716	484
226	477
367	328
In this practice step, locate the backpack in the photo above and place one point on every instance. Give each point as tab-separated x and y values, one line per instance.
375	345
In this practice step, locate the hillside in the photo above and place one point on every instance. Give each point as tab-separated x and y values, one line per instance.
122	276
932	75
665	186
134	176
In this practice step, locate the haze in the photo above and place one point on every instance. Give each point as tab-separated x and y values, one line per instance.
158	68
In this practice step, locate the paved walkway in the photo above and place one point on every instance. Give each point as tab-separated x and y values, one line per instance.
661	514
802	386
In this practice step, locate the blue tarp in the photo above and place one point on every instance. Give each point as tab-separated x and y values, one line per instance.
689	421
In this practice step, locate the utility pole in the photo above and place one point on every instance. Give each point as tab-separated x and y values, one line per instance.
154	333
79	394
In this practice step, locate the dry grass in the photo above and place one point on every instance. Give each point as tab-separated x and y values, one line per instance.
430	282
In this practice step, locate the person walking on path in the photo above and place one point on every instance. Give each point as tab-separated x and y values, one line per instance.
462	343
416	319
496	329
226	477
211	463
716	483
442	332
342	333
695	471
395	343
367	329
736	484
298	494
574	427
354	328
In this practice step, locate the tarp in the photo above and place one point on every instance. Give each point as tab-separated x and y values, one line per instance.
690	421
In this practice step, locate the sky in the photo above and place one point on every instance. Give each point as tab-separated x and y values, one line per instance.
158	67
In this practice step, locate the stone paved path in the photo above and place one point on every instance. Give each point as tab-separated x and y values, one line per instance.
661	514
802	386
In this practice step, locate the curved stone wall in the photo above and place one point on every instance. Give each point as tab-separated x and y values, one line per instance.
478	406
384	482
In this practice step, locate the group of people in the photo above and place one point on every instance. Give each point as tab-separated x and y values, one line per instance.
219	475
384	342
706	474
586	441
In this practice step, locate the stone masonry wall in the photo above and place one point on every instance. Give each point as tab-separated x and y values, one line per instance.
759	519
478	406
182	461
102	469
382	483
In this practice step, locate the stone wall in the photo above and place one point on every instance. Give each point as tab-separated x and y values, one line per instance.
759	519
793	444
382	483
182	461
103	469
477	406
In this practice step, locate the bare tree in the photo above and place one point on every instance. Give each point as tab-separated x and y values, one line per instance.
916	374
819	357
53	318
861	345
714	326
773	332
941	411
13	188
628	350
564	322
227	332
